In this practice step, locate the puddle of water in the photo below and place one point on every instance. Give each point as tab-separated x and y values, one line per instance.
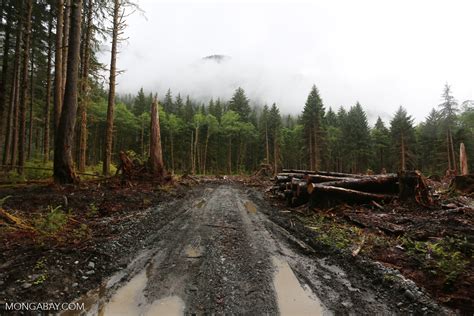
130	300
251	208
193	252
293	299
169	306
127	299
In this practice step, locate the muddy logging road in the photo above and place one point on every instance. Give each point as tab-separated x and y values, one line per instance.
222	249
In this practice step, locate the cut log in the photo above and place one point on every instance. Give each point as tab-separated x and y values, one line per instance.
299	171
316	178
385	184
340	174
291	175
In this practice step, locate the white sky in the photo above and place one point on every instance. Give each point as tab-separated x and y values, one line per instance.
378	52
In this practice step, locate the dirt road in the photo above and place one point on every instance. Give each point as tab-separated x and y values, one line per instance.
223	252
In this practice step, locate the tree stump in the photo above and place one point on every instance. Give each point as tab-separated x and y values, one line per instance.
413	188
464	184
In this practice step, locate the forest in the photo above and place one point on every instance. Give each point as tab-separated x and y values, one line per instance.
213	136
169	204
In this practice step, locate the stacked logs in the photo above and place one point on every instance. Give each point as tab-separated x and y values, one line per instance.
325	189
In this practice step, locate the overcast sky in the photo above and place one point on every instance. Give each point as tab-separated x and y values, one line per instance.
381	53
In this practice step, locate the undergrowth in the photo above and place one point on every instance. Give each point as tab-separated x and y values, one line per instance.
449	256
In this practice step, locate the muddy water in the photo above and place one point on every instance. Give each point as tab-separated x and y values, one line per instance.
293	299
251	208
130	300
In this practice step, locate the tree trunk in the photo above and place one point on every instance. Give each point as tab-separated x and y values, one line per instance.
63	162
85	90
66	31
58	64
463	160
156	153
11	140
47	105
111	99
3	80
24	86
32	97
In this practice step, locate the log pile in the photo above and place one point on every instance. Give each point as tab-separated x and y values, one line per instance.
326	189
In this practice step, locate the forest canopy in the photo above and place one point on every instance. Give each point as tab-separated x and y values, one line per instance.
56	106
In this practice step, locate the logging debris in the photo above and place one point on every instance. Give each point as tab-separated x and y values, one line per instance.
326	189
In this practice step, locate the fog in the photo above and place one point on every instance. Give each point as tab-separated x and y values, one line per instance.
381	53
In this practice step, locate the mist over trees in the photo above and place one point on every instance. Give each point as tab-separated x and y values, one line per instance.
54	102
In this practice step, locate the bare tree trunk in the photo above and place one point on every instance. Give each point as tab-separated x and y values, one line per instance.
47	120
58	64
66	30
156	153
463	160
3	80
24	85
32	97
111	100
11	140
85	90
63	162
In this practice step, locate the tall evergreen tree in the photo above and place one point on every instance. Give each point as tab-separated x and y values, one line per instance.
403	139
240	104
168	105
448	111
312	119
381	142
274	126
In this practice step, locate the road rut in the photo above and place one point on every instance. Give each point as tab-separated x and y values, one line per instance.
222	254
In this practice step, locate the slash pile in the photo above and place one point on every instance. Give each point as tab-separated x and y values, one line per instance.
324	189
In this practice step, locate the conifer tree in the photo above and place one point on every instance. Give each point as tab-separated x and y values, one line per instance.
403	139
312	119
240	104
